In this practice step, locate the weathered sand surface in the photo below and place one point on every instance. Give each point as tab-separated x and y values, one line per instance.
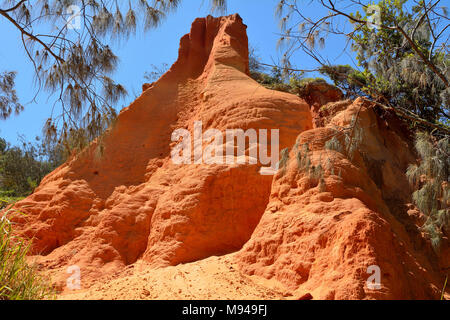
141	227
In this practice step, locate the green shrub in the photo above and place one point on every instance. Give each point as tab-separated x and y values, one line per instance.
334	144
430	180
7	198
23	167
352	138
284	161
18	280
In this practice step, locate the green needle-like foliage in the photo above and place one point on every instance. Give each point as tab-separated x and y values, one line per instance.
18	279
68	44
431	180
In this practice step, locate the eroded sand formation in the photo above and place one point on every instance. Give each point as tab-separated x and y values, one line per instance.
139	226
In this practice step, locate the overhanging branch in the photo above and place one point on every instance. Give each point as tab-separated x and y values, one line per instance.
31	36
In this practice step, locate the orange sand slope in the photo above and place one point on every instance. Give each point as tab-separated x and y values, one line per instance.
214	278
139	226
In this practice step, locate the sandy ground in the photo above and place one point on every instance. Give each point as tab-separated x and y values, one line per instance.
209	279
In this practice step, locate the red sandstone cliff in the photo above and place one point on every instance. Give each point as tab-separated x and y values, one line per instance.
129	205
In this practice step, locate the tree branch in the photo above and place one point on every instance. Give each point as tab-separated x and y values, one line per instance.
404	114
15	7
332	7
422	56
31	36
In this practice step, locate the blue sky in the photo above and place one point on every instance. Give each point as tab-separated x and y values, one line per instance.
140	52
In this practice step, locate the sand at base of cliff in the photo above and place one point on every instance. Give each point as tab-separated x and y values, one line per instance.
210	279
